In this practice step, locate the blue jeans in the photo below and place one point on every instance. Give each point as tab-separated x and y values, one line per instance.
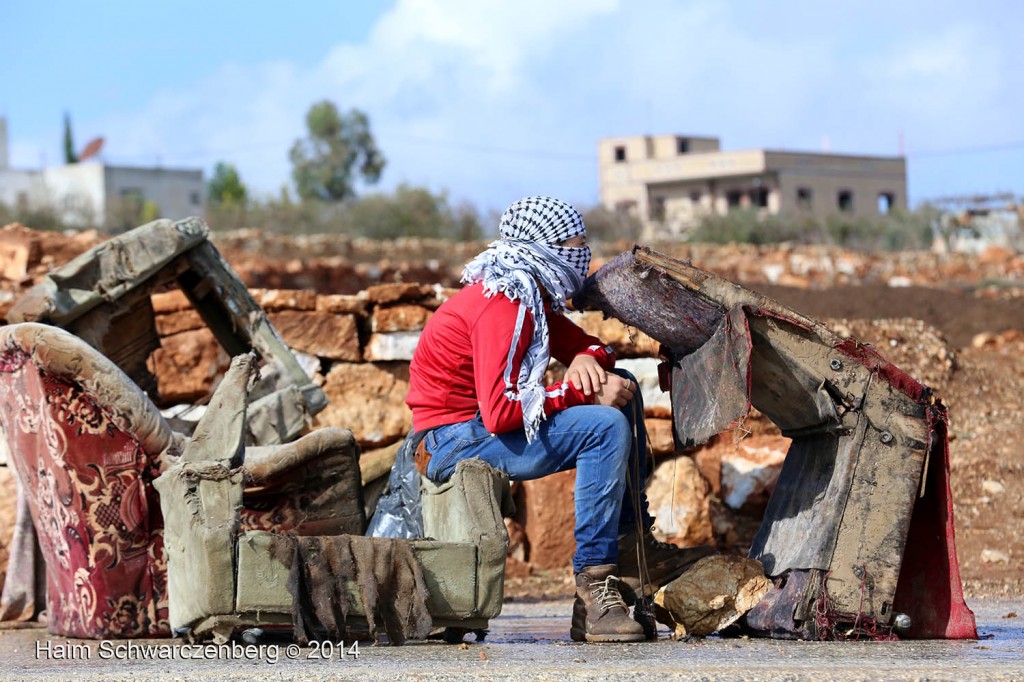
600	442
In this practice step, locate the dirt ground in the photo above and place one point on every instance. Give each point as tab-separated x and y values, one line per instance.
959	313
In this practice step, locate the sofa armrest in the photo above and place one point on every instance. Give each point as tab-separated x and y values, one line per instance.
469	508
200	503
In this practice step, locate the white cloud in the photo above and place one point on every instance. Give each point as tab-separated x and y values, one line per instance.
464	94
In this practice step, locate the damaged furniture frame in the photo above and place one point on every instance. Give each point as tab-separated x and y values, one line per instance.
86	444
860	525
223	578
104	297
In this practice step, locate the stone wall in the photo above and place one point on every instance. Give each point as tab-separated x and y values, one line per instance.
356	336
358	347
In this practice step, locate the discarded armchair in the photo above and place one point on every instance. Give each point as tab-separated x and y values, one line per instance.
104	297
860	526
326	582
87	444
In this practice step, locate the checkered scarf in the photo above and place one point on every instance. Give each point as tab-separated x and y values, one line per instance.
526	257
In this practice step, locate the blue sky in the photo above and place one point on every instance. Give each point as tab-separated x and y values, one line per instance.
494	100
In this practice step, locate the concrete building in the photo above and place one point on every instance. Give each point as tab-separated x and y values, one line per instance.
96	193
671	181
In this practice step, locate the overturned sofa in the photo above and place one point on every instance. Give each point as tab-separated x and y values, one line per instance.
104	297
87	443
325	580
858	535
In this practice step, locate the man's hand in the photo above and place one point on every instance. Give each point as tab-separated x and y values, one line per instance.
586	374
615	392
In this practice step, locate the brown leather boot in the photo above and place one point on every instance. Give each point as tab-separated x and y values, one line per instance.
599	614
665	562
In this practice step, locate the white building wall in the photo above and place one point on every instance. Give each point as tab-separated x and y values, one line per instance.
176	193
21	189
75	191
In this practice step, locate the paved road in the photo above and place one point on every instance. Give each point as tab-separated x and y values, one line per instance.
530	640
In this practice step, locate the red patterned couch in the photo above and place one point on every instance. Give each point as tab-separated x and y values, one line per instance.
87	443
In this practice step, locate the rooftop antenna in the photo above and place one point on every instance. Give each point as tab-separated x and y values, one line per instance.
91	149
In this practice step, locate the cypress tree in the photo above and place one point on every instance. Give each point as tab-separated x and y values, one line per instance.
69	143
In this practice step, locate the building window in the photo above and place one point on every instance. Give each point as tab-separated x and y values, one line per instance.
620	154
844	200
695	197
682	145
804	197
759	197
626	206
886	202
734	198
658	208
195	198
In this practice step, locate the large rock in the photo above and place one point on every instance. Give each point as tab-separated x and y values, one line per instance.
187	366
750	471
341	303
393	346
335	337
678	498
711	595
399	318
657	403
369	399
550	519
393	293
659	434
171	301
627	341
285	299
20	251
177	322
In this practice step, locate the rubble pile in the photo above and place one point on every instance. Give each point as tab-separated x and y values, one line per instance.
914	346
340	264
795	265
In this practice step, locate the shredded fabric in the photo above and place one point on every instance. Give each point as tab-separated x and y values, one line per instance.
526	257
387	574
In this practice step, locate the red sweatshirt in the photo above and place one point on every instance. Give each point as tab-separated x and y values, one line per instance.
463	357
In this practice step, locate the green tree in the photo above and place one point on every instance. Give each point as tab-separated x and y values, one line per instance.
604	225
338	150
69	143
225	187
409	212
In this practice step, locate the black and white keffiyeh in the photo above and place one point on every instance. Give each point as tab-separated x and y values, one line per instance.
525	257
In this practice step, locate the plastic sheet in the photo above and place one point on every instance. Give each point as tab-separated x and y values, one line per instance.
399	511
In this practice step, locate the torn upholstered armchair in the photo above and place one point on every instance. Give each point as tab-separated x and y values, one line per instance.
87	444
322	580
